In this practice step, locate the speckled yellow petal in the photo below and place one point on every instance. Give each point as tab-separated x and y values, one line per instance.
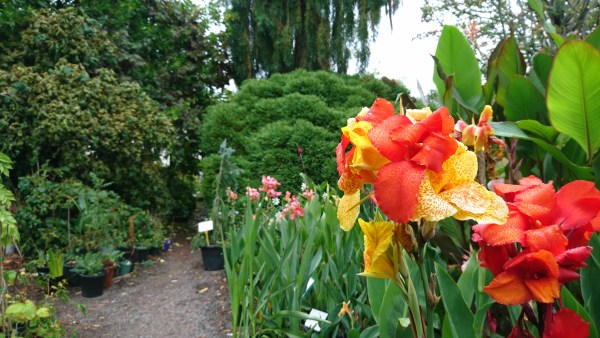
430	206
460	167
348	210
473	201
378	236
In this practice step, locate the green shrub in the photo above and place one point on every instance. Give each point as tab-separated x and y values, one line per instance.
268	119
274	151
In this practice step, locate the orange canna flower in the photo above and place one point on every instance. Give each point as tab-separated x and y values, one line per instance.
529	276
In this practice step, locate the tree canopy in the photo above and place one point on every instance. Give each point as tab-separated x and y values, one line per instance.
134	76
267	37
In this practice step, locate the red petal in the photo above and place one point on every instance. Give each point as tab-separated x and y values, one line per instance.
493	257
440	121
508	191
510	232
397	189
574	258
435	150
508	288
566	323
567	275
340	154
578	204
380	110
548	238
380	137
538	202
530	181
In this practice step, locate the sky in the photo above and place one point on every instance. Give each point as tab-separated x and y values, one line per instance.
397	54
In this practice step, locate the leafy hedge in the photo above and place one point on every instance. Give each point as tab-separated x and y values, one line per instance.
268	120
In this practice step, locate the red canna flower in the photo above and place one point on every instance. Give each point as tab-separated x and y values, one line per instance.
566	323
553	230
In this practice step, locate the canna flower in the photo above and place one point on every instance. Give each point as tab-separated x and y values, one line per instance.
526	277
270	185
252	193
566	320
359	165
555	226
454	192
478	136
378	238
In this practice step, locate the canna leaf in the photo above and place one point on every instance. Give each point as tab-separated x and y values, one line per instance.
573	97
458	313
455	57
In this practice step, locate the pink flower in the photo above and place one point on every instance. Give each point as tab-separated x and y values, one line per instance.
293	209
270	185
309	194
253	194
231	196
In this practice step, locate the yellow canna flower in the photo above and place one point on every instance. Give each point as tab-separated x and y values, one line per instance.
378	238
454	192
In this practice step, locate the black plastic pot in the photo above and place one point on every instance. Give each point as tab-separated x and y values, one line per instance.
155	251
71	277
212	257
92	286
142	254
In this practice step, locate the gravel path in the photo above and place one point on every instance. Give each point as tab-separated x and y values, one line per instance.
174	298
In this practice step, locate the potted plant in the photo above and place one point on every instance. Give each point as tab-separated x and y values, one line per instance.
110	259
55	267
91	274
72	277
212	253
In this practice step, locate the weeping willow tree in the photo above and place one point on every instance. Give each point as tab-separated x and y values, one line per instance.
267	37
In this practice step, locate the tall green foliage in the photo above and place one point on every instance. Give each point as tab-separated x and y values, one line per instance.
267	37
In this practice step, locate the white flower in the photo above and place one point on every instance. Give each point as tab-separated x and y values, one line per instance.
303	187
275	201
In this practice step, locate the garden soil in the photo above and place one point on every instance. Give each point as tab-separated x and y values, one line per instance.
175	297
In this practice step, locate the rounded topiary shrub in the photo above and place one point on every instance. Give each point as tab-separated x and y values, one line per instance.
267	120
274	151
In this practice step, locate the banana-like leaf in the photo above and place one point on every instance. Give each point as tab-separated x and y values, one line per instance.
510	129
573	97
594	38
455	57
510	62
460	317
523	101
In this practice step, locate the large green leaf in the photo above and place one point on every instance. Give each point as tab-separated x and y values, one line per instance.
590	275
458	313
547	133
455	57
510	62
541	64
393	313
523	101
594	38
573	97
510	129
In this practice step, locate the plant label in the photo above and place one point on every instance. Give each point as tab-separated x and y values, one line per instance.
313	324
205	226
